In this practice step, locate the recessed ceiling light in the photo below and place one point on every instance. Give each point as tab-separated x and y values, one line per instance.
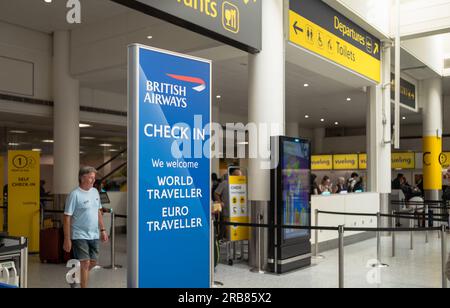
18	132
322	120
403	118
13	144
349	99
306	116
149	37
105	145
113	150
84	125
242	143
336	123
218	96
48	141
88	138
306	85
48	1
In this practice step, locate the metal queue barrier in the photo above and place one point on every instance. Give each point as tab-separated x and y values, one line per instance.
379	216
341	232
113	265
12	248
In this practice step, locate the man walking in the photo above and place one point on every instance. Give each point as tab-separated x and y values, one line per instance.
83	223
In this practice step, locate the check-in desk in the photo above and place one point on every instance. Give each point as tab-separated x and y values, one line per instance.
347	203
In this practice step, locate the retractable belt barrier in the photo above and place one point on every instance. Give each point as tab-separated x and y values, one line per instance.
341	229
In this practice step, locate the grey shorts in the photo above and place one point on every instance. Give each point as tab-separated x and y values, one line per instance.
84	250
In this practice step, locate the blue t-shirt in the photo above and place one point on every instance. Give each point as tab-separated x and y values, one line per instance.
83	207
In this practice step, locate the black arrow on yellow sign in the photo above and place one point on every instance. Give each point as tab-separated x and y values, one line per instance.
296	27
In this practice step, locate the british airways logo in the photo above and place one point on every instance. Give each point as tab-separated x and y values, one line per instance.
201	84
171	94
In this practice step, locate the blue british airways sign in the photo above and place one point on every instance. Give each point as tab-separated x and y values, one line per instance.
169	169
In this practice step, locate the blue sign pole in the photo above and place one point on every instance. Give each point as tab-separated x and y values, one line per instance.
169	170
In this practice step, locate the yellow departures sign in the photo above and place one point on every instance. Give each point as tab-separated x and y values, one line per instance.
23	196
334	37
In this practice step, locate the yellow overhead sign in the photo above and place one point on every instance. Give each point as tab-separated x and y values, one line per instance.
362	161
403	160
322	162
345	162
315	26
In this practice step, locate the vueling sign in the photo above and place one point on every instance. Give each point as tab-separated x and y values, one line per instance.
234	22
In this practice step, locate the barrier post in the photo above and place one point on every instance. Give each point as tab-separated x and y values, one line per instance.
427	212
394	225
113	265
444	256
341	256
411	225
316	240
23	282
379	263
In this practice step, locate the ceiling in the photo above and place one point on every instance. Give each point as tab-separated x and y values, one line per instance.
325	98
48	17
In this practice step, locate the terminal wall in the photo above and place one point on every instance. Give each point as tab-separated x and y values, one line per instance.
27	55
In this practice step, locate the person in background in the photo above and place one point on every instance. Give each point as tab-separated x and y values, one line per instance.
326	186
352	182
398	182
340	186
314	187
83	223
215	183
359	186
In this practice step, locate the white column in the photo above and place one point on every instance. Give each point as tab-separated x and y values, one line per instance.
266	106
319	137
66	148
379	131
267	91
432	134
292	130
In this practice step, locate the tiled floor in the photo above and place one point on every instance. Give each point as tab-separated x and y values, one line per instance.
420	268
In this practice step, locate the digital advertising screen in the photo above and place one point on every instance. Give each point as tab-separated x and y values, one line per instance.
296	187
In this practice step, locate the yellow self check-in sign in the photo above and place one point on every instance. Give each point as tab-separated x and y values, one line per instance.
315	26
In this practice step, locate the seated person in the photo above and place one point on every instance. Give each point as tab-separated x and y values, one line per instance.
325	186
341	186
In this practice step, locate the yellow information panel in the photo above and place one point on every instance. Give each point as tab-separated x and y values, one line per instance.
23	196
362	161
432	169
403	160
315	26
322	162
2	173
345	162
238	208
445	160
